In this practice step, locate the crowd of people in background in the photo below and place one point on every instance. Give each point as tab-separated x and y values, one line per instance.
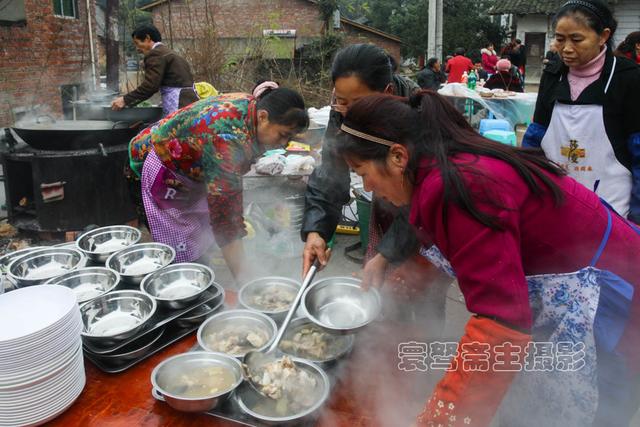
510	76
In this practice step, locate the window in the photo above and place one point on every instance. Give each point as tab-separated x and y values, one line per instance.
12	12
65	8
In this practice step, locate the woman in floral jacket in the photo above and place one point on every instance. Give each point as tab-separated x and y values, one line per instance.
191	165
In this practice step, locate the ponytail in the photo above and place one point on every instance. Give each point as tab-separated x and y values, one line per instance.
430	127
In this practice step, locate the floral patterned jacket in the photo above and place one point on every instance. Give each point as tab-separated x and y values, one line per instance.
213	141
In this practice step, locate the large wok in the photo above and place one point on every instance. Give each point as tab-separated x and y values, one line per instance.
134	114
75	134
88	110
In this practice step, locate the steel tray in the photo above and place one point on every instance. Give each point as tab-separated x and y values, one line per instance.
171	334
161	318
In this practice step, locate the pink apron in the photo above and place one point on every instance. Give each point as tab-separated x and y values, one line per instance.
176	217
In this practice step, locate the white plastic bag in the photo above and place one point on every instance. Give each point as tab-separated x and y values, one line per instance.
271	165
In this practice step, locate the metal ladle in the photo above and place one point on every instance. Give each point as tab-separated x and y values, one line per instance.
254	361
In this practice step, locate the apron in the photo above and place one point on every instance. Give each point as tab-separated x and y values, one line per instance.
577	140
176	217
171	98
575	312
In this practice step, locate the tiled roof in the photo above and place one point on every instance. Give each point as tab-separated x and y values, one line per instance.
525	7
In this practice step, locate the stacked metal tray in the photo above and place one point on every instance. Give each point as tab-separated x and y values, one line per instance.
163	329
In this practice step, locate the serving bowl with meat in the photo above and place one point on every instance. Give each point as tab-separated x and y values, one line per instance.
236	332
306	340
269	295
294	388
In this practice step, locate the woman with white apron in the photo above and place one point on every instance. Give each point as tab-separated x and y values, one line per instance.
550	274
587	112
191	165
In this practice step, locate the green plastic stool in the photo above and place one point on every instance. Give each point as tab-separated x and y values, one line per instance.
504	136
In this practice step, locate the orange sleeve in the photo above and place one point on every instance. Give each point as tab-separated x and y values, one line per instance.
466	396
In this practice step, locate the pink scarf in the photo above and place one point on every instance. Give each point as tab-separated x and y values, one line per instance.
581	77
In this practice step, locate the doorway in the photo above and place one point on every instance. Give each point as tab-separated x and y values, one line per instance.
535	44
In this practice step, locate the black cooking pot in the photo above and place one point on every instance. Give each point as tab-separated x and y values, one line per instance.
134	114
75	134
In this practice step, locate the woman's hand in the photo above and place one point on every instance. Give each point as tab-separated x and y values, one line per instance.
374	271
314	247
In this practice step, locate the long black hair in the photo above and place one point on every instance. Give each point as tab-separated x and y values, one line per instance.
430	127
595	14
285	107
368	62
628	45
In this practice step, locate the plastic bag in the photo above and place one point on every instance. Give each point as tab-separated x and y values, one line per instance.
271	165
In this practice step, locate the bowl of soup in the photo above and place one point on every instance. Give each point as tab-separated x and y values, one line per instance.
197	381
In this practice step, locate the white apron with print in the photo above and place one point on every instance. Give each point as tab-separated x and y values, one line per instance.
567	313
564	309
577	140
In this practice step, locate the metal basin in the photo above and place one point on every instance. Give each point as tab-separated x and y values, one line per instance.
100	243
264	408
6	259
340	305
136	261
236	321
334	346
88	283
266	293
36	267
178	285
167	376
116	316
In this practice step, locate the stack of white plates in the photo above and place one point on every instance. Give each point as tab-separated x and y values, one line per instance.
41	363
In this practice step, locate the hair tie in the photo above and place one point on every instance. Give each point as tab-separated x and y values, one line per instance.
263	87
590	6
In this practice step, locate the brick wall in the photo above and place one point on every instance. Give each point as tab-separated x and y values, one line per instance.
236	18
36	58
241	19
356	35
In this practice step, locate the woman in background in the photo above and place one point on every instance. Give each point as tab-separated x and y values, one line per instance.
489	58
505	78
630	47
586	116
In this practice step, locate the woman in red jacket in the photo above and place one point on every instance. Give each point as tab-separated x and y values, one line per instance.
550	274
489	58
630	47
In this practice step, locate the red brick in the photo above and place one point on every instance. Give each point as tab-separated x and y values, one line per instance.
36	59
